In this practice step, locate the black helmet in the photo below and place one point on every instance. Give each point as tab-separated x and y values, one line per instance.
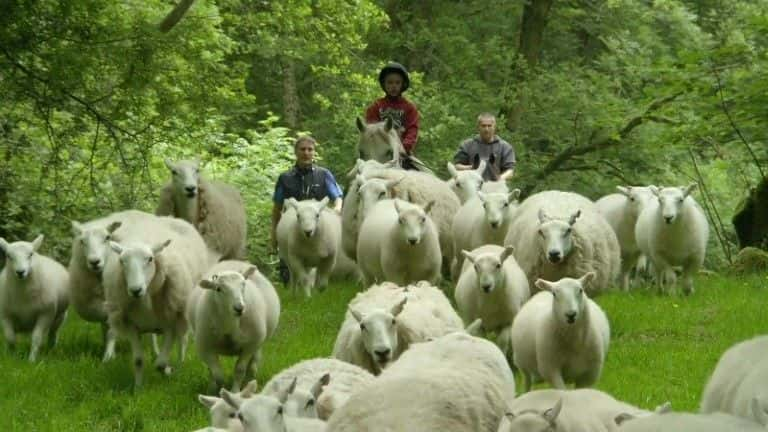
397	68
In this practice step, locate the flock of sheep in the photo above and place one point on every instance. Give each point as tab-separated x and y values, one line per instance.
404	358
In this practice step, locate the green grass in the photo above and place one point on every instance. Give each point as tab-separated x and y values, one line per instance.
662	348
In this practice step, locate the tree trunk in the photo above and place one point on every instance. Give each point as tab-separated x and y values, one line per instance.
175	15
751	218
291	104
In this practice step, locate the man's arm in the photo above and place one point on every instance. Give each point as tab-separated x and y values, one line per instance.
508	162
411	129
337	205
277	210
461	158
334	191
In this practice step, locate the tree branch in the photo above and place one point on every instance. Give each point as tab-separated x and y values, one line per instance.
175	15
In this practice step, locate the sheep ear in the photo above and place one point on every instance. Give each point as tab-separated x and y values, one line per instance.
624	190
360	181
429	206
506	253
397	206
360	124
758	411
481	196
544	285
515	194
196	162
114	226
475	328
230	398
37	242
77	228
317	387
621	418
468	255
356	314
250	389
543	215
283	394
250	271
398	308
654	190
691	187
323	203
663	408
169	164
392	183
388	124
156	249
481	166
207	401
587	278
551	414
206	284
116	247
574	216
452	170
292	203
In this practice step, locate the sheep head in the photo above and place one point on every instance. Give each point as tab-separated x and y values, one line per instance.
185	176
556	236
139	265
300	402
378	331
94	243
20	255
308	215
569	298
412	221
257	413
533	421
229	288
496	207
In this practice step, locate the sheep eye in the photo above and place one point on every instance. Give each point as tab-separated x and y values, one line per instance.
362	327
498	266
280	410
382	195
541	233
506	204
631	198
568	231
400	221
680	200
310	403
218	289
423	219
232	415
393	321
82	241
150	259
174	172
240	417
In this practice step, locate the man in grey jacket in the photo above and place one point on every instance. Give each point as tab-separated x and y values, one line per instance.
487	146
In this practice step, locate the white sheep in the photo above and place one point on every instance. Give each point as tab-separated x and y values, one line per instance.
740	376
454	383
384	320
399	243
146	288
261	413
672	231
224	415
33	294
467	183
561	335
308	237
216	209
233	312
686	422
561	234
482	220
90	250
317	387
577	410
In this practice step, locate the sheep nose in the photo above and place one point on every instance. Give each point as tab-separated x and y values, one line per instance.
571	316
21	273
494	224
554	256
136	292
190	190
238	309
668	219
383	354
308	233
487	288
95	263
413	241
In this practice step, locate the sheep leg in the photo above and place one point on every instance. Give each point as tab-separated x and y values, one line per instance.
39	333
627	264
241	368
688	272
138	356
217	373
108	336
9	333
297	273
528	380
555	377
184	343
161	363
253	365
324	272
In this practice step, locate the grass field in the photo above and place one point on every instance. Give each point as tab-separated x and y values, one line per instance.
662	348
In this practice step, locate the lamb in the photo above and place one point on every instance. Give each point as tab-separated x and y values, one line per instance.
317	387
482	220
33	294
561	335
90	249
686	422
567	410
384	320
216	209
146	289
308	236
467	183
673	231
223	415
561	234
454	383
234	311
741	375
398	243
261	413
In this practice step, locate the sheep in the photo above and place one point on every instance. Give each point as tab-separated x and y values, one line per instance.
308	237
384	320
233	312
686	422
741	375
398	243
482	220
216	209
147	287
417	187
561	335
672	230
261	413
621	211
467	183
454	383
90	250
33	294
561	234
317	387
223	415
565	411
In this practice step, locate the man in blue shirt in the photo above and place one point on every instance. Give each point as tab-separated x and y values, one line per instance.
304	181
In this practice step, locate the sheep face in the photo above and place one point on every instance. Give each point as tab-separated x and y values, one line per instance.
372	191
20	255
308	215
531	421
466	183
229	289
258	413
569	299
489	269
671	200
637	197
378	331
496	207
556	236
412	222
303	403
94	244
222	413
139	265
185	176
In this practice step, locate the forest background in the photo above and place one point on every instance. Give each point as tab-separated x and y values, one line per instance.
591	93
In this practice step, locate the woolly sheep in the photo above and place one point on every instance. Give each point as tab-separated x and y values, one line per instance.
384	320
308	236
621	211
672	231
740	376
398	243
147	287
686	422
482	220
90	250
565	411
561	234
261	413
216	209
224	415
454	383
317	387
33	294
233	312
561	335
